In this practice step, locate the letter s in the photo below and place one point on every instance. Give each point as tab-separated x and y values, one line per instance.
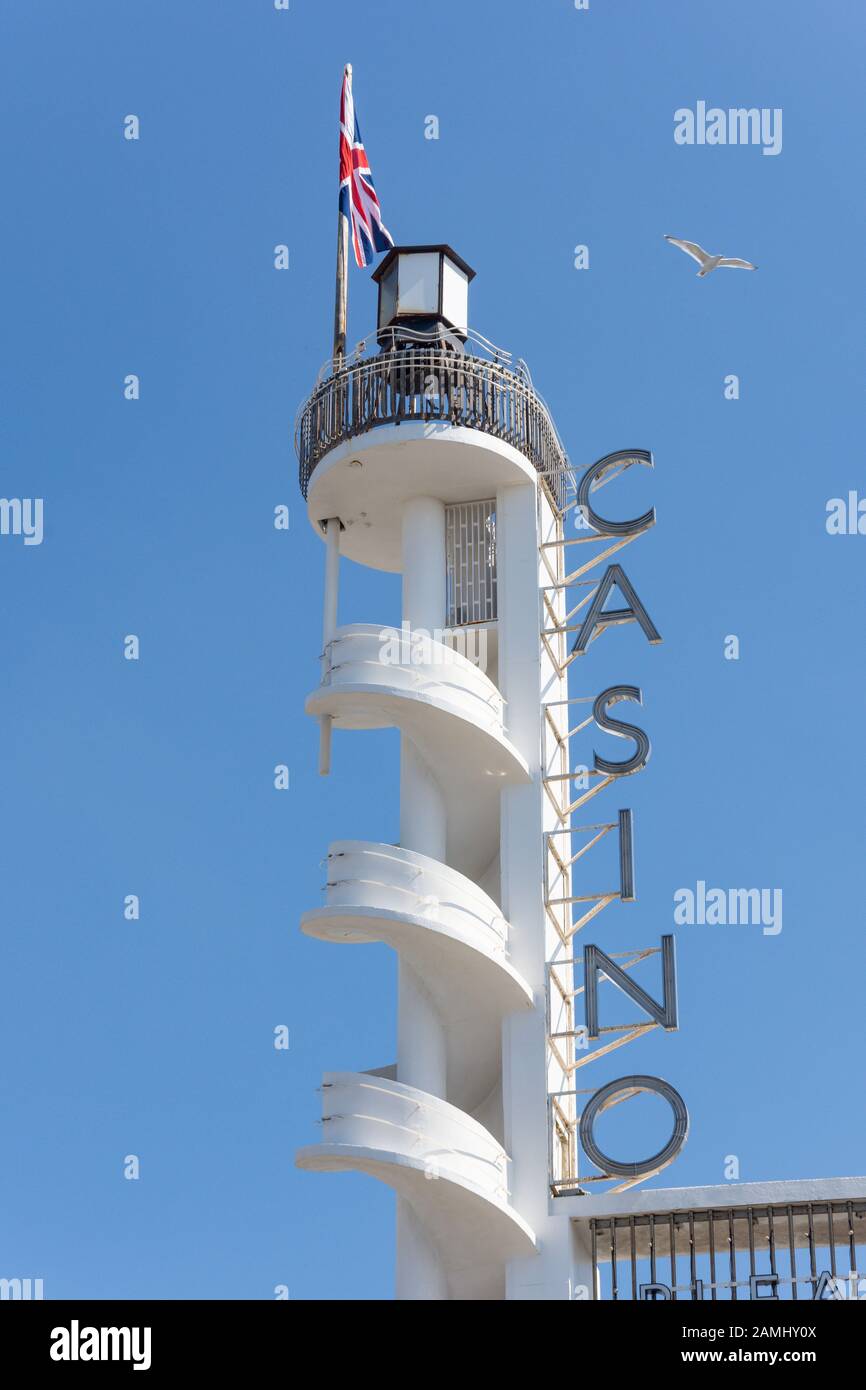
620	729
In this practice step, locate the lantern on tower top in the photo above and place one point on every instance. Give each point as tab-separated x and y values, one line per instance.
423	291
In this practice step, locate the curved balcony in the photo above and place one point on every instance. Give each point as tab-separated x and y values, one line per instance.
448	929
451	1169
374	679
385	428
428	383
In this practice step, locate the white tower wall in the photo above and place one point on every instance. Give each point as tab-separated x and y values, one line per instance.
459	1128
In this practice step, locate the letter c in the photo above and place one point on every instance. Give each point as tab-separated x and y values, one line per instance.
597	470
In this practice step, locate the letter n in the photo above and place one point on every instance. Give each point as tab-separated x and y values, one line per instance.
596	962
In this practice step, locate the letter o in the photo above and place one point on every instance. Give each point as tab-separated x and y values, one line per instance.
605	1097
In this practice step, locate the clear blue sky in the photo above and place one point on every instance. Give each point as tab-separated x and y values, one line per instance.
155	778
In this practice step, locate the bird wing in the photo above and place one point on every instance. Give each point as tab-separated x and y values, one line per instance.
691	248
739	265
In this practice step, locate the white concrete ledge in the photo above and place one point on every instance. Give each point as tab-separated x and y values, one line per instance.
365	660
729	1194
366	480
448	930
451	711
446	1164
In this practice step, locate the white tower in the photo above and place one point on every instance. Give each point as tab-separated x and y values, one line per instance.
435	458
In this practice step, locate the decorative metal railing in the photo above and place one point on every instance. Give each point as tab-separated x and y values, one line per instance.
430	383
803	1250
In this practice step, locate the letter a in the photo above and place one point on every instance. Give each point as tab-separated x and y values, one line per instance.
598	618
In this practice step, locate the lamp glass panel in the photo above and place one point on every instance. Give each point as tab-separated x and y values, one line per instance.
455	294
388	295
419	283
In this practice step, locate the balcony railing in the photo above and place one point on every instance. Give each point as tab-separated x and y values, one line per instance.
424	383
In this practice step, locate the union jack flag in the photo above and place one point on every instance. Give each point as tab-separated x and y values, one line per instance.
358	201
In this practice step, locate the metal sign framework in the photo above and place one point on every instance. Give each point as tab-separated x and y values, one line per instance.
566	601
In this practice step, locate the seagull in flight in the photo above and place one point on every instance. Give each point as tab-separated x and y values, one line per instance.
707	262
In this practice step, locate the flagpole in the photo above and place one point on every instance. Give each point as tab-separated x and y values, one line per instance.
332	526
342	286
341	296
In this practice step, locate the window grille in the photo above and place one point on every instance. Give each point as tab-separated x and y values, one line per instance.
470	568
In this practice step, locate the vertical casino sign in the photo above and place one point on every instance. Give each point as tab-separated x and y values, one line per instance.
598	964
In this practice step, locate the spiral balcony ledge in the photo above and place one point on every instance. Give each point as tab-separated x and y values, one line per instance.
447	1165
381	428
453	713
448	930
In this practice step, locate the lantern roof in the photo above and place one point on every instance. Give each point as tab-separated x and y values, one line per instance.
438	247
